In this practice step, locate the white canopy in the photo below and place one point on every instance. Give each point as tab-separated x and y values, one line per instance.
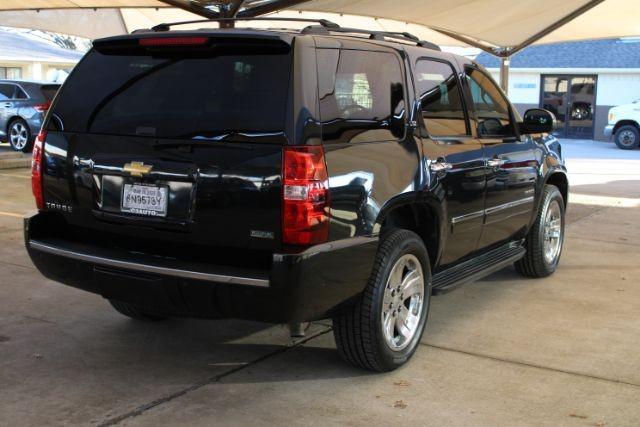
498	26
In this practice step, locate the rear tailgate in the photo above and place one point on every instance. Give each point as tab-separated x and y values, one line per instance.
173	145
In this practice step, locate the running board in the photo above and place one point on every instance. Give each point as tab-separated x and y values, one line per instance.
477	268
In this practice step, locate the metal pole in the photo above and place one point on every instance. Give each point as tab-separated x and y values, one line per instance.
505	61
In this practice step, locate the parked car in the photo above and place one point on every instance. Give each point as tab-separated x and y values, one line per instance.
23	105
624	125
289	176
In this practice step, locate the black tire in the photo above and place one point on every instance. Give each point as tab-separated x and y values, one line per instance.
358	330
534	263
135	312
23	127
627	137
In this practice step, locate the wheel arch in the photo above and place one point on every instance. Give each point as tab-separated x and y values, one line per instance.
421	217
559	179
625	122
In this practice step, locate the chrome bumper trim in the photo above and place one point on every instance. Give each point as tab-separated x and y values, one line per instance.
148	268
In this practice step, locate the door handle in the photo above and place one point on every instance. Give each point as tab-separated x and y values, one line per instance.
440	166
8	105
495	162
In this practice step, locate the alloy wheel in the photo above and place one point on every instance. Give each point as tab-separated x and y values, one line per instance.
552	232
18	135
403	302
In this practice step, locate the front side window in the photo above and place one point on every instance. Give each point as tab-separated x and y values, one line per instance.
440	99
361	96
492	109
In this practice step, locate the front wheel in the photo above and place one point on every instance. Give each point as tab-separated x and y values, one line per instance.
382	331
627	137
545	239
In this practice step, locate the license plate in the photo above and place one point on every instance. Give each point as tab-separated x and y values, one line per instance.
147	200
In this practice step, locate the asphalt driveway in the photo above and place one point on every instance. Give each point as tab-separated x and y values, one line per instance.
504	351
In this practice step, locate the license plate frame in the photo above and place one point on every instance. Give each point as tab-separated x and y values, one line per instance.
152	200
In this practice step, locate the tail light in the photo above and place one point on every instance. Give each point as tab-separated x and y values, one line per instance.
36	168
42	107
305	220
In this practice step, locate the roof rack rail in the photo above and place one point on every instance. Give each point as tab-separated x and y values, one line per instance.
373	35
325	23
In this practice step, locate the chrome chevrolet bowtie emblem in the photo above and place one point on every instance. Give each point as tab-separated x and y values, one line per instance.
137	169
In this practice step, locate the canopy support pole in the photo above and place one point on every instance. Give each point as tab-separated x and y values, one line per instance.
505	62
230	10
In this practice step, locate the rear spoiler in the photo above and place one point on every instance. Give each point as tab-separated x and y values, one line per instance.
194	41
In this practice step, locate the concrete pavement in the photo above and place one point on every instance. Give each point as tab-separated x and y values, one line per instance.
504	351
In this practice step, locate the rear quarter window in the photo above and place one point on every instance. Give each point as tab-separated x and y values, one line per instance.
361	96
49	91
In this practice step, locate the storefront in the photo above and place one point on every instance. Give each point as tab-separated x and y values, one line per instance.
579	82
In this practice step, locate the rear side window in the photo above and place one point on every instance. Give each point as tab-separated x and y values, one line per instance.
440	99
6	91
49	91
361	96
492	109
204	96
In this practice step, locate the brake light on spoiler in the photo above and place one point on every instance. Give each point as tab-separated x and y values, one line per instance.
173	41
305	217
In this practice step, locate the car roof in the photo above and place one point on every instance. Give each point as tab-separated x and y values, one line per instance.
29	82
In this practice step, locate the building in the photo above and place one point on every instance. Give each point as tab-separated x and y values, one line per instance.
26	57
578	81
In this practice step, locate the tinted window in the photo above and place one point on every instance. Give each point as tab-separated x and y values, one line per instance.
361	96
49	91
440	99
6	91
198	97
20	94
491	107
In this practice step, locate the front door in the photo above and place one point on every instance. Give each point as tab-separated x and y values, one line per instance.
453	158
572	99
512	163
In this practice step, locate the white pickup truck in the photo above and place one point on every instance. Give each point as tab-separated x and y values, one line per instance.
624	125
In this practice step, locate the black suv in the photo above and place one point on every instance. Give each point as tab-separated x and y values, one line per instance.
288	176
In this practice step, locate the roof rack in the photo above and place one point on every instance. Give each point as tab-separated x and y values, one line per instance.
324	23
325	27
373	35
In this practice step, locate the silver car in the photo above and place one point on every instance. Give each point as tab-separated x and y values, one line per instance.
23	105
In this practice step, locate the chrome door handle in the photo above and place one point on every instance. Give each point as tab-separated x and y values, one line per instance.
495	163
440	166
8	105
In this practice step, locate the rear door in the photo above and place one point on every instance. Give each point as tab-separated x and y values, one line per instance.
512	162
453	156
7	110
173	144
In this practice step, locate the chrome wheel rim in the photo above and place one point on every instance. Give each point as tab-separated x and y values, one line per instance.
18	135
403	302
552	232
627	138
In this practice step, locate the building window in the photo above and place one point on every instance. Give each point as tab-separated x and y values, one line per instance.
11	73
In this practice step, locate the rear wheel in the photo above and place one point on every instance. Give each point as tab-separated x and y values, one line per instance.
545	239
627	137
135	312
19	135
382	331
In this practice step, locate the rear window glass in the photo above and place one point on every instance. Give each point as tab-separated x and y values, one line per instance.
49	91
194	97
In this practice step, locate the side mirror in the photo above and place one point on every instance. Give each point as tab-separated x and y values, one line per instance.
538	120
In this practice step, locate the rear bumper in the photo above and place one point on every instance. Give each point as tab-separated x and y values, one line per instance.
306	286
608	131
